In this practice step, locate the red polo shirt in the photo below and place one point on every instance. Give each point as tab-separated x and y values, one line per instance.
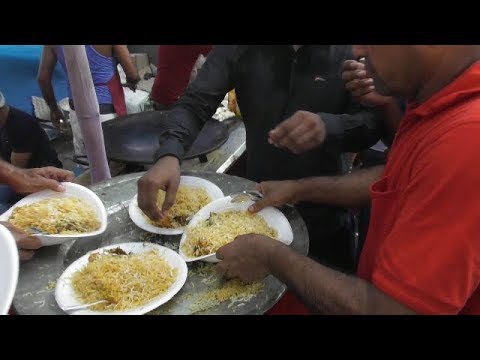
175	63
423	243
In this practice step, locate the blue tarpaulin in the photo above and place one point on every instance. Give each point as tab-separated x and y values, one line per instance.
18	76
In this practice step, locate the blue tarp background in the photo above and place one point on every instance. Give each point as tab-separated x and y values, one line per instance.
18	76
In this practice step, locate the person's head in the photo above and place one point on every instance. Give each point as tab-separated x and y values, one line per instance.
411	70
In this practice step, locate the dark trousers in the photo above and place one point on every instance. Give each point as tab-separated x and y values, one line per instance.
331	238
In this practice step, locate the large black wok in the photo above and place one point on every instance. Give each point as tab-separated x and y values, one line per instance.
134	138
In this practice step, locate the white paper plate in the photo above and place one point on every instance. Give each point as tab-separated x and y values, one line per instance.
71	189
274	218
8	269
65	295
140	220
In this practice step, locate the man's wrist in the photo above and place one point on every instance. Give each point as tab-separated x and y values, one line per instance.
132	81
297	191
272	251
170	158
9	173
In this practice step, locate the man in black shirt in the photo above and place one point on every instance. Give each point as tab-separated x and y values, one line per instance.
23	142
299	118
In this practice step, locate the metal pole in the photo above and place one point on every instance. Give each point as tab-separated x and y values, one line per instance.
87	110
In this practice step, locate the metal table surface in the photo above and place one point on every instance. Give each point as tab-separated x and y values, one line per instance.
35	292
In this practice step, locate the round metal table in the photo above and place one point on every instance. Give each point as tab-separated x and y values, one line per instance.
35	292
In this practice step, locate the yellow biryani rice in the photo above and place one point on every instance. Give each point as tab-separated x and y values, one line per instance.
125	281
219	229
187	202
65	216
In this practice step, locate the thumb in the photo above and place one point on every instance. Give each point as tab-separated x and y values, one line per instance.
26	242
258	187
259	205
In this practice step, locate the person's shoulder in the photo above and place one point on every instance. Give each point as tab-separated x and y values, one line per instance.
462	121
19	119
467	112
17	114
14	113
453	138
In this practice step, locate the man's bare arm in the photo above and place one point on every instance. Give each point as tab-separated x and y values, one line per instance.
45	73
329	291
351	190
123	56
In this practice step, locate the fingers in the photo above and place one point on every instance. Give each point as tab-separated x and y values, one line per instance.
25	254
222	269
358	83
275	193
360	87
57	124
358	93
59	174
259	187
50	184
262	204
27	242
57	117
353	70
262	188
65	175
222	266
165	175
357	77
304	138
52	177
222	252
300	133
147	198
350	65
278	134
281	135
171	192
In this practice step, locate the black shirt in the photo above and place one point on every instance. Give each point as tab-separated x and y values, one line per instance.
23	134
271	84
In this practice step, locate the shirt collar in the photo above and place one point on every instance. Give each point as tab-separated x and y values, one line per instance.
466	85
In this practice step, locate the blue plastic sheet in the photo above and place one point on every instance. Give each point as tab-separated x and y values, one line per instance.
18	76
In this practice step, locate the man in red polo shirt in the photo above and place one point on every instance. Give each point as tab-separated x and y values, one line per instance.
175	65
420	256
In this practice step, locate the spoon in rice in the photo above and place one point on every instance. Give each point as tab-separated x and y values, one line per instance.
83	306
248	195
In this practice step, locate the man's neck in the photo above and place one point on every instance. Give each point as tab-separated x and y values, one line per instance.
444	75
